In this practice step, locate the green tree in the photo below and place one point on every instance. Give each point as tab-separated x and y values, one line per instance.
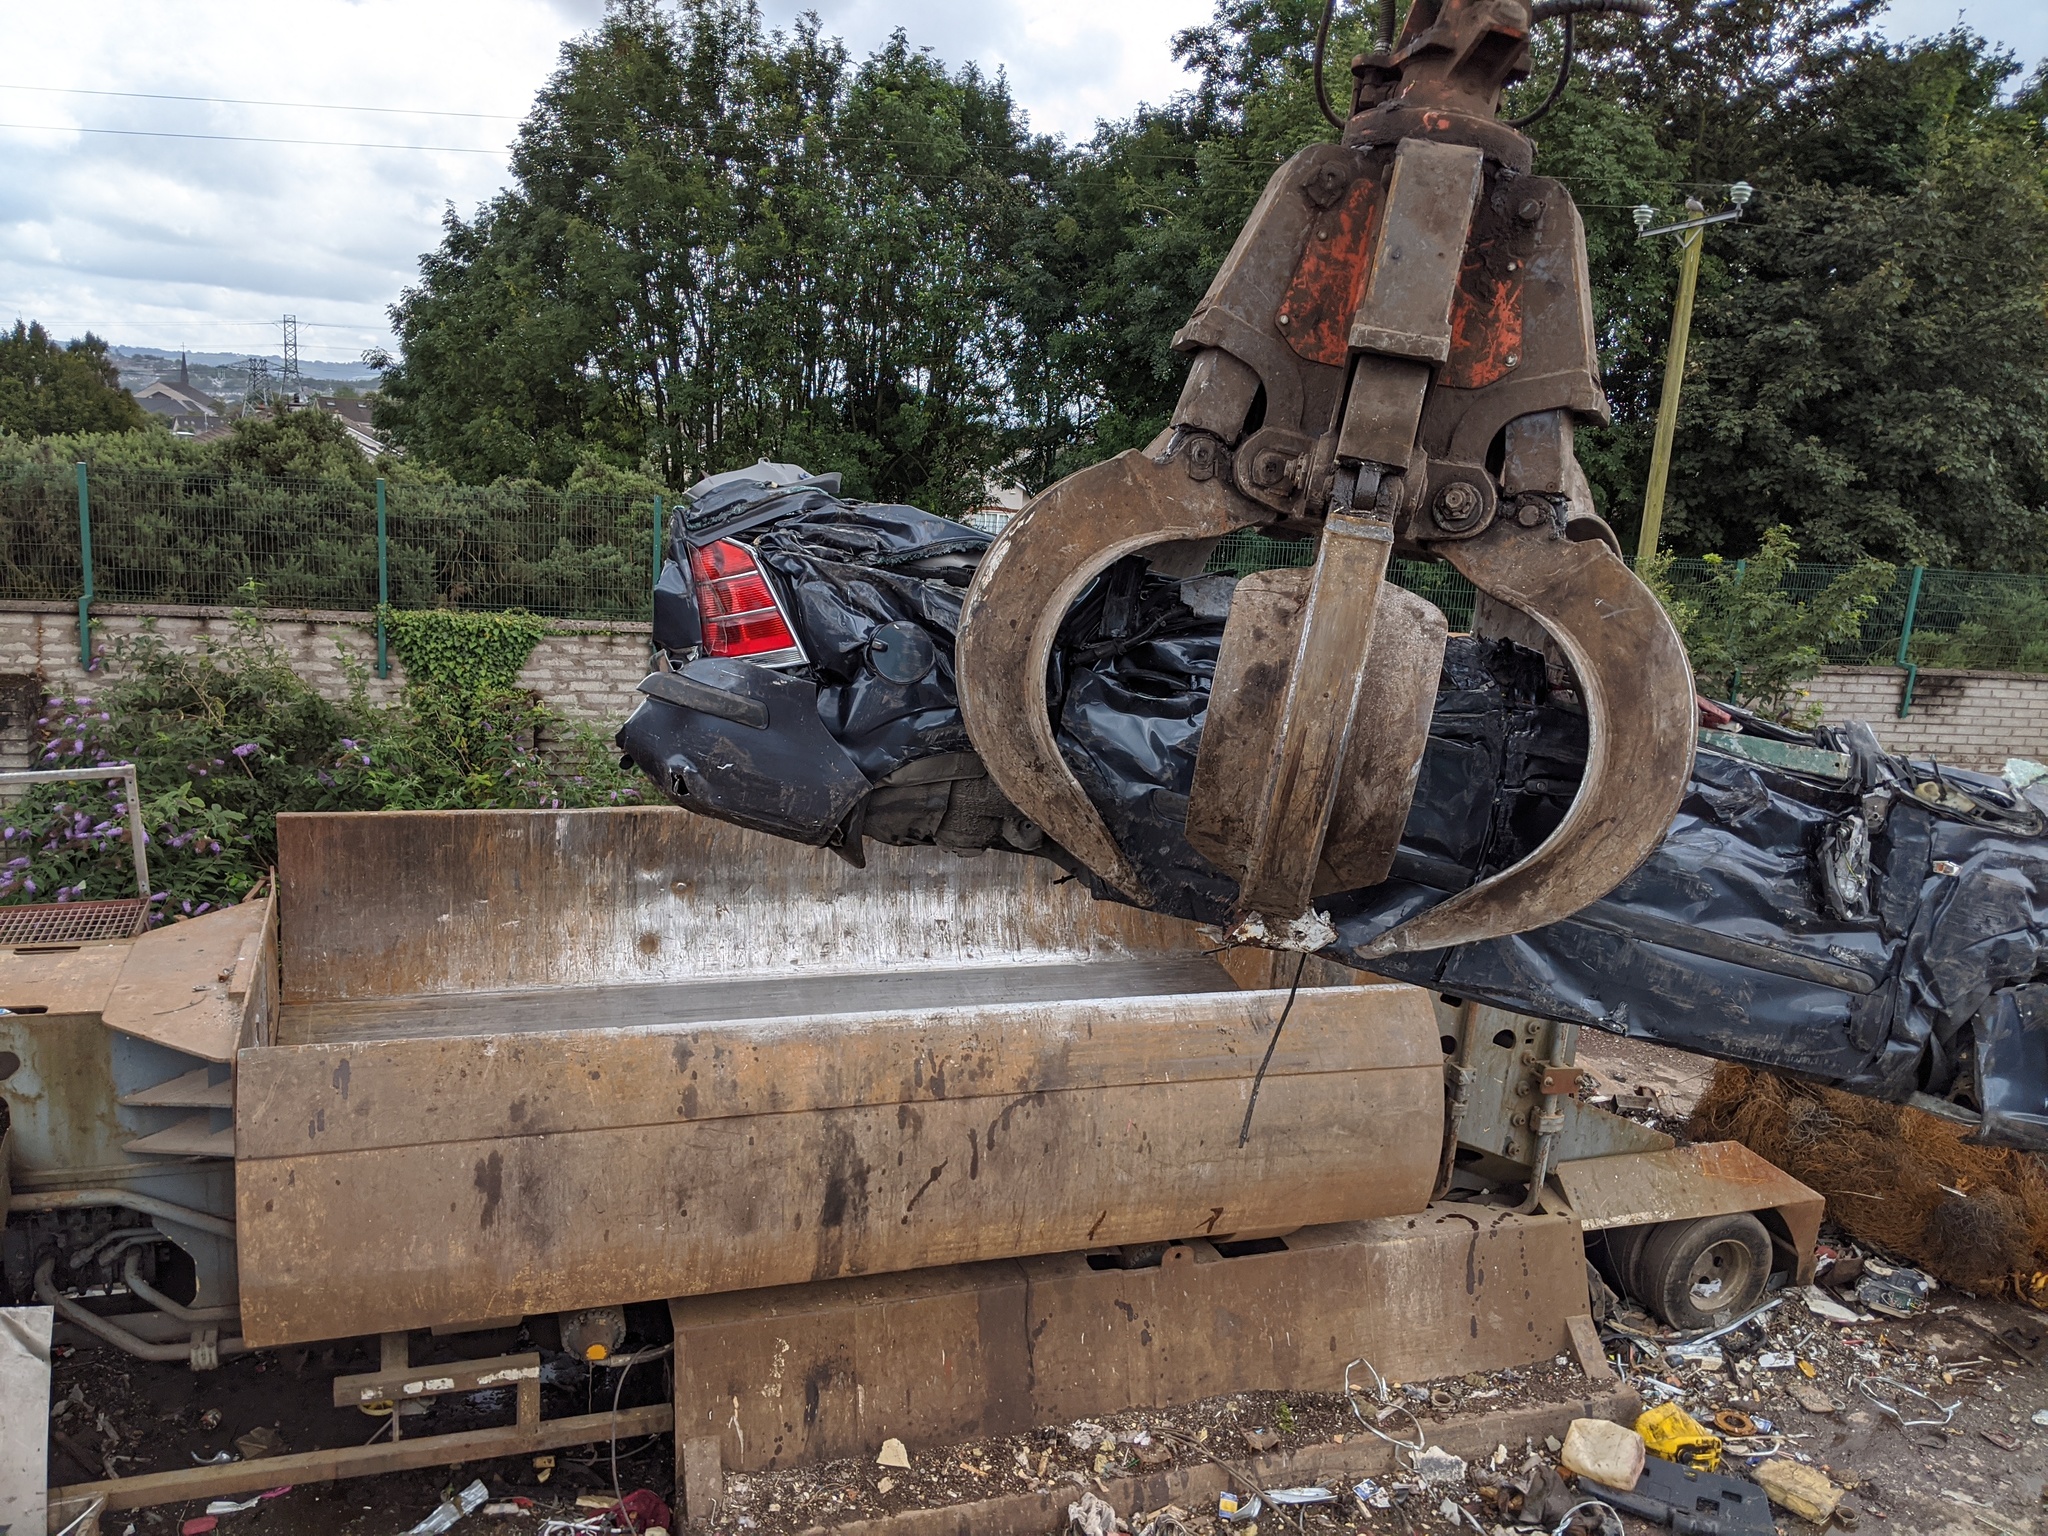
1753	638
726	243
46	389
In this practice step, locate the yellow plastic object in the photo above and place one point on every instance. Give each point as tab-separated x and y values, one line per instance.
1672	1433
596	1352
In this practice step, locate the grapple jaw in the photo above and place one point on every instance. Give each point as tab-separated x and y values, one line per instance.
1392	357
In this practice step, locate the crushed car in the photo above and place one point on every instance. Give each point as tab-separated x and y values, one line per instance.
1819	906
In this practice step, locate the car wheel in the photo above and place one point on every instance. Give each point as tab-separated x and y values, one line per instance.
1696	1274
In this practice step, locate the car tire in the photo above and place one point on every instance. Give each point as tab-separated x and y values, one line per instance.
1705	1272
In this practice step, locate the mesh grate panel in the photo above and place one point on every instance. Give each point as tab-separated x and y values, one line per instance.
72	922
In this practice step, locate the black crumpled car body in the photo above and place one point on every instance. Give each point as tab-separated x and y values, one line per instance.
1818	907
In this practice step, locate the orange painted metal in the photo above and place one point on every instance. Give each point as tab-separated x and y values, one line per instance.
1315	316
1486	316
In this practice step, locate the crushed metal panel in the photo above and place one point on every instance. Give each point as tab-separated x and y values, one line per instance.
802	1374
406	903
766	1157
1712	1178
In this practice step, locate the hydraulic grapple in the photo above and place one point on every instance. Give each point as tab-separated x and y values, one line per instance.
1392	358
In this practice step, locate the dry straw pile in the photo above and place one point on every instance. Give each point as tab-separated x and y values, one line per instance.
1900	1180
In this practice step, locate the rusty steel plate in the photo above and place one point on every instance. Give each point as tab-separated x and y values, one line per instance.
1710	1178
986	1349
394	1183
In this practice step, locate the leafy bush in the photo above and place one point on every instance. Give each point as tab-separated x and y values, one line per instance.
2002	630
466	736
1749	635
226	737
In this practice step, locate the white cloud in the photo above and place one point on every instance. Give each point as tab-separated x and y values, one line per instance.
190	243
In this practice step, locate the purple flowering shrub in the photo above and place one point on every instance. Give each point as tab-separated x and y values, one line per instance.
225	738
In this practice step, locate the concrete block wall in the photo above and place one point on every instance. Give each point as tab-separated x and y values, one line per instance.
588	671
1966	719
585	670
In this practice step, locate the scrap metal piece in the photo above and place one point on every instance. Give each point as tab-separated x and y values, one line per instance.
1638	690
1021	591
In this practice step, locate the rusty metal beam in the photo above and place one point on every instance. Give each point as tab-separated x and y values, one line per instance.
239	1477
1319	708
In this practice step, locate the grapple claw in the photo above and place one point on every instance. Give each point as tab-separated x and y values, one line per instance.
1026	582
1637	686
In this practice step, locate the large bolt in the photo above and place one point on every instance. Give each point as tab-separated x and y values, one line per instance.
1457	506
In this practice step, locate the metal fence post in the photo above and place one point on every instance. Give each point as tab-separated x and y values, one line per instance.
660	531
85	566
383	584
1906	640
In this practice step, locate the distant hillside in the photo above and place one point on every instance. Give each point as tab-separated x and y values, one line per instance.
225	375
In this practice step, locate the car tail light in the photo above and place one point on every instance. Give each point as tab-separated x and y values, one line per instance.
742	616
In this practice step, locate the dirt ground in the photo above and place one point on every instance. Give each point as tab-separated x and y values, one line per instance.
1807	1384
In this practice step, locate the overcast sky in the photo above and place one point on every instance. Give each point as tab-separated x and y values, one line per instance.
202	243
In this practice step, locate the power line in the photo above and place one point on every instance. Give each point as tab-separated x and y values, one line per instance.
245	138
324	325
237	101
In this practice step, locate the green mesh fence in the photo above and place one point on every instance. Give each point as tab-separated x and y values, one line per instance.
209	538
1984	620
218	539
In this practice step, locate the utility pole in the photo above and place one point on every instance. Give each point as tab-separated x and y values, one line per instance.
1692	234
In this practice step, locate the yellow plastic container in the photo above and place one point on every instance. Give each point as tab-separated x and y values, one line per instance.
1672	1433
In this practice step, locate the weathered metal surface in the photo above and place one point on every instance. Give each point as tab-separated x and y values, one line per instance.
1406	311
1513	1061
1637	686
1315	316
72	979
1713	1178
122	1092
389	1184
725	1000
1789	755
802	1374
1377	780
1319	710
202	987
422	1381
24	1416
1021	592
424	903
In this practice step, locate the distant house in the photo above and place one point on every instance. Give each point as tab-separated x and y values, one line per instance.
354	415
190	412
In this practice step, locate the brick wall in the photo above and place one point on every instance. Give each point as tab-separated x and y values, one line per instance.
1968	719
588	671
585	670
